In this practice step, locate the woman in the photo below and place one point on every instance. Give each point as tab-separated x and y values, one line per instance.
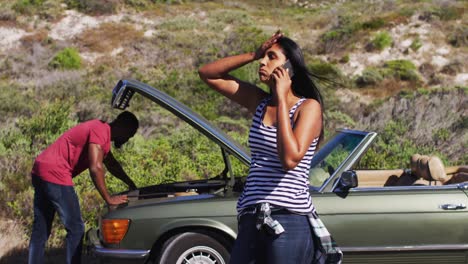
286	128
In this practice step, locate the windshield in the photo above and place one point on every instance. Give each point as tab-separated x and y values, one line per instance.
331	156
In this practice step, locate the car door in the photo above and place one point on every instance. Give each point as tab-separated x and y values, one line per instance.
407	224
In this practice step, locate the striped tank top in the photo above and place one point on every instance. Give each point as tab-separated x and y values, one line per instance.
267	181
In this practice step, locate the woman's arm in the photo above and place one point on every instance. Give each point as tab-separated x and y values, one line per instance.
293	143
216	75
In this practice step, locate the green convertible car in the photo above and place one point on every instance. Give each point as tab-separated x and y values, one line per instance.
409	215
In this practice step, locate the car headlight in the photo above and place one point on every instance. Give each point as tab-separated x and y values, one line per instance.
114	230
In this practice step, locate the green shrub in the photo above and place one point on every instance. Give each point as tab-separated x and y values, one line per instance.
407	94
219	18
179	23
94	6
328	74
381	40
416	44
66	59
406	12
344	59
248	73
423	91
47	124
370	76
244	39
47	9
447	13
151	161
339	36
393	149
462	123
402	69
139	4
15	102
398	69
27	6
441	135
374	23
325	69
340	119
18	147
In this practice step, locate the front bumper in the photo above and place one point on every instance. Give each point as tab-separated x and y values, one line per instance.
94	247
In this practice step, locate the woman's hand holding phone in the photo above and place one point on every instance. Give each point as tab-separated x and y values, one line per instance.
282	79
288	67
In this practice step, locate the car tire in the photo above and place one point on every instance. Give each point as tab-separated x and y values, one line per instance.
192	247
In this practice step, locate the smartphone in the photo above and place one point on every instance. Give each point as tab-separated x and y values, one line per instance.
287	65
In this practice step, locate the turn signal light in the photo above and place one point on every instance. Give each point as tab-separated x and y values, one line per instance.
114	230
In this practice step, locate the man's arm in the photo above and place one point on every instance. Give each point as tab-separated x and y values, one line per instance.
97	171
116	169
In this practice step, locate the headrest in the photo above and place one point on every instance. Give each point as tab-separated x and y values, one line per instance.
430	168
414	163
423	168
437	170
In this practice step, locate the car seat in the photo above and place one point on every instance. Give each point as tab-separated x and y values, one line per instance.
429	170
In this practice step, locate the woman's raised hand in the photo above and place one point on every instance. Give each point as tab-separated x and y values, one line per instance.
267	44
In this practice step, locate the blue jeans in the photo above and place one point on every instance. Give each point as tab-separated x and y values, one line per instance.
295	245
48	199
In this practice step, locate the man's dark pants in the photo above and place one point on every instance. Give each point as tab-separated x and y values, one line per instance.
48	199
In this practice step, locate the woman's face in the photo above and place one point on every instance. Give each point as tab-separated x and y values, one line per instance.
274	57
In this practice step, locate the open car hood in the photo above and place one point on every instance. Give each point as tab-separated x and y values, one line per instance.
125	89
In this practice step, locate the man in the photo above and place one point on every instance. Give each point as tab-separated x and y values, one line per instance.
85	146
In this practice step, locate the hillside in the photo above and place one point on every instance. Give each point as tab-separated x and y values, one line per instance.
398	68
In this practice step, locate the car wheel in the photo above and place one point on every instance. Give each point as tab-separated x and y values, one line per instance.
191	248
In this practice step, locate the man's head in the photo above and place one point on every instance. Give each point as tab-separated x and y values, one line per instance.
123	128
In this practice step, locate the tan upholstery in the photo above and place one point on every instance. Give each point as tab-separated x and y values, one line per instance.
456	169
379	178
437	170
429	168
425	170
459	174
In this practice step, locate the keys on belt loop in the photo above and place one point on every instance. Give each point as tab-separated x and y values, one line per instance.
264	219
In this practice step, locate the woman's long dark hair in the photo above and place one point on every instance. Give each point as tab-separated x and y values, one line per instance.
302	81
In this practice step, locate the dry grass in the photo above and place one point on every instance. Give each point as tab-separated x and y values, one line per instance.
6	22
41	36
12	236
109	36
387	88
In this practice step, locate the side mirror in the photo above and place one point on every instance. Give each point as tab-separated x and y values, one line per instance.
347	181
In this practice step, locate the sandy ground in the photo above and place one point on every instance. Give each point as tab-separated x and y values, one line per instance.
11	236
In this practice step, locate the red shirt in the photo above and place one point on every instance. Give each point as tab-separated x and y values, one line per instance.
68	155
